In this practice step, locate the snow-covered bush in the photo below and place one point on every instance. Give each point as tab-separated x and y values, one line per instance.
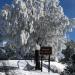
69	51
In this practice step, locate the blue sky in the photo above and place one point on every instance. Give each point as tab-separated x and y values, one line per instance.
69	10
3	2
68	6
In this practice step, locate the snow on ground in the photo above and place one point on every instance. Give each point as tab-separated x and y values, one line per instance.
31	62
1	73
9	62
22	72
22	64
56	66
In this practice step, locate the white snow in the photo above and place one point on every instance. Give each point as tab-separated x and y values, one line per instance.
2	73
24	37
22	64
56	66
22	72
31	62
9	63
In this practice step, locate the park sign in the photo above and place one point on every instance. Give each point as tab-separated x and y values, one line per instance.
46	50
43	51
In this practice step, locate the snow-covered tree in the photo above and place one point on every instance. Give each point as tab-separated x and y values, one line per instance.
35	22
49	29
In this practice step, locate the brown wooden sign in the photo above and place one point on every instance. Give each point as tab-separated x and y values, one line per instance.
46	50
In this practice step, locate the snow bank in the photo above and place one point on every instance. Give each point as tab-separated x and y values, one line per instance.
55	66
22	72
2	73
59	66
21	64
27	67
31	62
9	63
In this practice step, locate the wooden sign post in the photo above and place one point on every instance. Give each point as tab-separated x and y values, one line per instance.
46	51
37	60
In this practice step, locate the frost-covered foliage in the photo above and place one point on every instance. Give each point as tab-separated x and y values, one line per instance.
69	51
70	68
29	23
